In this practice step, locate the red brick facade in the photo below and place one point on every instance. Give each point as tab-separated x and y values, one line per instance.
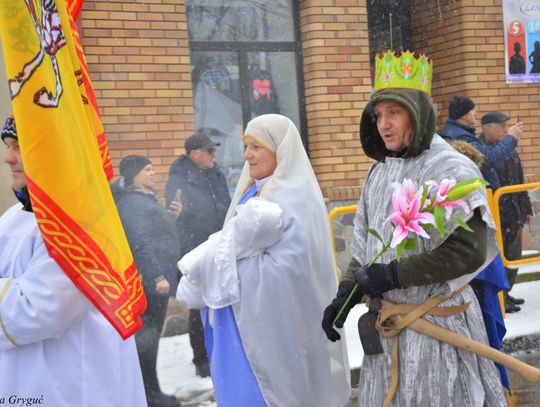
337	86
466	42
138	55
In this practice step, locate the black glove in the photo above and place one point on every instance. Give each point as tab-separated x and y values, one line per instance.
377	278
330	313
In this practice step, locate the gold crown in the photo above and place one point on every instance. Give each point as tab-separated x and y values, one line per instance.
403	72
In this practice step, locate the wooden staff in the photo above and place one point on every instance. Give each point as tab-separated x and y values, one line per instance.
528	372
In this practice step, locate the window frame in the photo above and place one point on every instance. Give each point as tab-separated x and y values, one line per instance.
242	48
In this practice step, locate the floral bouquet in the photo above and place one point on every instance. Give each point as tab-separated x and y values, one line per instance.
418	208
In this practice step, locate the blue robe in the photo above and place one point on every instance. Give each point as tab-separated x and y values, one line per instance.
234	382
493	279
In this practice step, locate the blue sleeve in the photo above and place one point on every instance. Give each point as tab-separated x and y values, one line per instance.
497	152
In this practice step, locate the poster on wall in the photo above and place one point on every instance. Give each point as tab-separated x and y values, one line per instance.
522	40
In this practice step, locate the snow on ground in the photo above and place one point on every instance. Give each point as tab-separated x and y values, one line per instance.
177	373
526	321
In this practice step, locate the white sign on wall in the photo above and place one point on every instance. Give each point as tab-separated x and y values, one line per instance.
522	40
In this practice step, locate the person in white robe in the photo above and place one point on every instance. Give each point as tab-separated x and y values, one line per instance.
263	280
56	348
397	130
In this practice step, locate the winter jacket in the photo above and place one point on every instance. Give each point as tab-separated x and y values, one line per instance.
453	130
514	207
151	234
205	200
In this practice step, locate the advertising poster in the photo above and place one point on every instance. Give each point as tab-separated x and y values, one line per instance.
522	40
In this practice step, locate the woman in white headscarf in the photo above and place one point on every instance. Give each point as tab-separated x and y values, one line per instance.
264	280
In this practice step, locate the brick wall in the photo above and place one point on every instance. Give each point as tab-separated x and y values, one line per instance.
337	86
138	56
466	42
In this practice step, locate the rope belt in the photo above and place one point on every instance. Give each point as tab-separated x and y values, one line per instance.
393	318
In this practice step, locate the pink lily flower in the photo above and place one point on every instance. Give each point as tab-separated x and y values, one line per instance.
407	189
407	215
450	206
442	189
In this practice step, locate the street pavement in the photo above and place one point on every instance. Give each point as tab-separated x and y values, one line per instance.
525	394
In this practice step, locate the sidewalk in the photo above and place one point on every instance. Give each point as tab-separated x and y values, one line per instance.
177	373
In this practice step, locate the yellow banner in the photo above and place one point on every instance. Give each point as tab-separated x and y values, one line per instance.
58	129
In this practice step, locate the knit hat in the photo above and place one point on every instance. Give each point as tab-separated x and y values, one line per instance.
459	106
131	165
9	129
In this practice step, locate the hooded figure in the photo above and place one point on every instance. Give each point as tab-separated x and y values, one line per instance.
263	280
397	130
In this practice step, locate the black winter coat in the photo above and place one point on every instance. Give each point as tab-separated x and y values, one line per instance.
516	206
205	200
151	234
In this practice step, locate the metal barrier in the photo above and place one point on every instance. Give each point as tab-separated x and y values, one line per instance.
340	210
493	201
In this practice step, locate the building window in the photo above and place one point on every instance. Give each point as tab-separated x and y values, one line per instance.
245	60
240	20
389	23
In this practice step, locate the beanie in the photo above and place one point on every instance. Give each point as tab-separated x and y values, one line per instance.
459	106
131	165
9	129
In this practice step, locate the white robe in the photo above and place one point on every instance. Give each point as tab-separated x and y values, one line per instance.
283	275
55	347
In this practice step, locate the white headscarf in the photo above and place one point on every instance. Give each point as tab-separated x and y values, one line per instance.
279	135
285	289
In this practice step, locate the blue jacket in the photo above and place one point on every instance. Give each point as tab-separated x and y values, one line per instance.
493	154
205	201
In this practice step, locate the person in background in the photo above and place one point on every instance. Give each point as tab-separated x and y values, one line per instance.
515	208
460	126
263	279
56	348
198	183
154	243
397	130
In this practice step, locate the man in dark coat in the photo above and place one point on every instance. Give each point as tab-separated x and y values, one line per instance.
196	180
460	126
516	209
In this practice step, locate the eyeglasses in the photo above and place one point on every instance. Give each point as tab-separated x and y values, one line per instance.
208	150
